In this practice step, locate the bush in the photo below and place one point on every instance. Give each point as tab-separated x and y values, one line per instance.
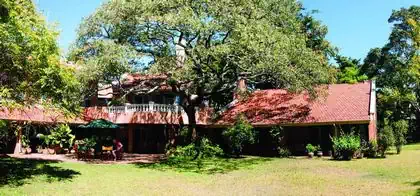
86	144
59	136
241	133
205	149
283	152
345	146
310	148
400	129
386	140
370	149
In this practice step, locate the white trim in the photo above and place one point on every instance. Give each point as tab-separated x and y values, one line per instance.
372	101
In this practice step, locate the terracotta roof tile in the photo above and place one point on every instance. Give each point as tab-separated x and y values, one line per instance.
335	103
37	114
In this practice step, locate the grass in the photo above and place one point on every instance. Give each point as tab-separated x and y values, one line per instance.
395	175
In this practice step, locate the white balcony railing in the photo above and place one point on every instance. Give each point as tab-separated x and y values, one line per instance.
152	107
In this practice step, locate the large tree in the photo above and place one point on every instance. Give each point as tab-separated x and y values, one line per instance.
204	46
30	67
396	69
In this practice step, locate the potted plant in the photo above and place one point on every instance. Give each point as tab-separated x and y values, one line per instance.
310	149
59	138
85	148
319	151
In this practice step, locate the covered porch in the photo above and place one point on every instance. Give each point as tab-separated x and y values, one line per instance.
136	138
297	137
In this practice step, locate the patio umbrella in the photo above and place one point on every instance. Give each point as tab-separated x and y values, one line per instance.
101	124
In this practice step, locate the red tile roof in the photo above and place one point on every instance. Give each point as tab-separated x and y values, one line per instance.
335	103
37	114
144	79
93	113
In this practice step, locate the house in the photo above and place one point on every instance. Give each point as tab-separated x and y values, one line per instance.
151	116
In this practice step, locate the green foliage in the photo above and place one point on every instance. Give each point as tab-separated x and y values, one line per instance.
86	144
310	148
101	62
30	67
400	129
386	139
351	75
349	70
205	149
203	46
345	146
370	149
316	33
395	67
239	134
25	141
59	136
283	152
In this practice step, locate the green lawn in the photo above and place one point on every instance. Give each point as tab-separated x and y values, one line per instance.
395	175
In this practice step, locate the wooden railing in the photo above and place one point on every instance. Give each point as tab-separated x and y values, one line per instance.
152	107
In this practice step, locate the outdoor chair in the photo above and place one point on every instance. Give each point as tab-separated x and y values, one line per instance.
106	153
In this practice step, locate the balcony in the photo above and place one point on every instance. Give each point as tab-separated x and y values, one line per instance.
151	107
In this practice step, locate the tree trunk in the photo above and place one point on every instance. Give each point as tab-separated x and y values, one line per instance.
192	124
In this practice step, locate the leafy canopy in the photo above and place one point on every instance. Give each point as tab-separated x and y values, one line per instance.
30	69
396	68
204	45
349	70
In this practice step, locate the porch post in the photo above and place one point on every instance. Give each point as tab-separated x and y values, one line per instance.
130	138
18	147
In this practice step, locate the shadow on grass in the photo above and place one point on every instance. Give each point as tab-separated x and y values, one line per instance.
205	166
417	185
16	172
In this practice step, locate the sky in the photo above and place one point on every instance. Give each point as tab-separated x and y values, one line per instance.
354	26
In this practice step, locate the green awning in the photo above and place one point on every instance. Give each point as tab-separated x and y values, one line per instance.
101	124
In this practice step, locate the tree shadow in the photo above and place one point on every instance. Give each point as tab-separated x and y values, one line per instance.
417	185
16	172
204	166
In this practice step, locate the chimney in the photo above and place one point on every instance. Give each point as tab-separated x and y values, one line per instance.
241	88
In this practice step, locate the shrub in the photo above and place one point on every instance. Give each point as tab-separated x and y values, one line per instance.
386	140
370	149
400	129
345	146
59	136
86	144
310	148
241	133
205	149
283	152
